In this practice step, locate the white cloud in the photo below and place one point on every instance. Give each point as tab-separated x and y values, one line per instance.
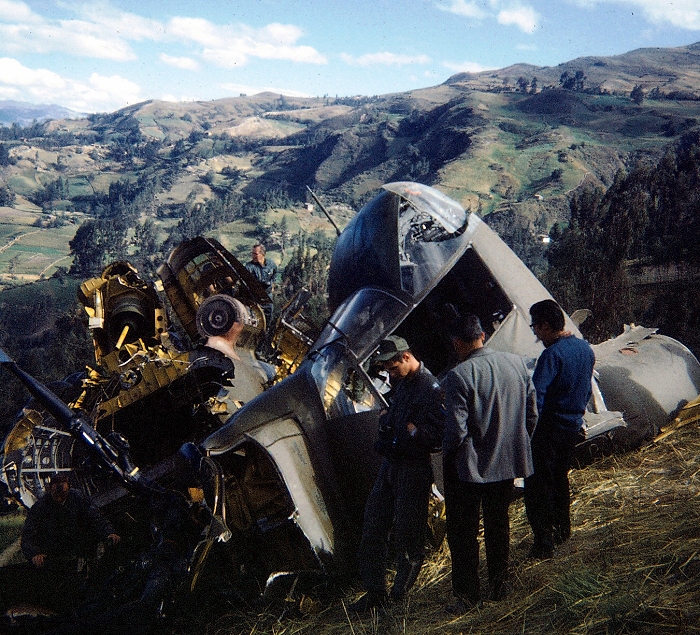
102	94
15	74
463	8
22	30
99	93
185	63
684	14
196	30
506	12
230	46
102	31
384	59
8	92
15	11
86	39
129	26
525	18
466	67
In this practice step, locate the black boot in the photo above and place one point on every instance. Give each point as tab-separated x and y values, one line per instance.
406	575
368	602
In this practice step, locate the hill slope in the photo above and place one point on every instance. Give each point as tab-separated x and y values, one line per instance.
632	564
495	141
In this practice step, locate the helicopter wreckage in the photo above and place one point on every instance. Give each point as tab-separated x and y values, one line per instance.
282	453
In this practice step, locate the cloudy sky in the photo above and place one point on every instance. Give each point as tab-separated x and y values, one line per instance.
102	55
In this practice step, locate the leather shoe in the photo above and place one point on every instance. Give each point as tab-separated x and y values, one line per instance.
540	553
461	605
368	602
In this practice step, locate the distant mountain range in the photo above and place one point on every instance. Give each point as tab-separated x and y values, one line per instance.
670	70
512	144
24	113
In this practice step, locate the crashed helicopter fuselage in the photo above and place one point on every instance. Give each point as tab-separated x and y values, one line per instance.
290	470
408	263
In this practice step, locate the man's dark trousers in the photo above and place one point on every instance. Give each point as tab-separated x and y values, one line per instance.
399	497
463	501
547	494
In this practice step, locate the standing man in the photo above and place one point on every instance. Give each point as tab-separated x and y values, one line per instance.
563	382
265	271
491	413
409	431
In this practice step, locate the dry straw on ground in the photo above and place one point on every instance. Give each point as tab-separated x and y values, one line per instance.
631	566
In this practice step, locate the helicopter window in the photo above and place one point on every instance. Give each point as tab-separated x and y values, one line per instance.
345	388
428	229
362	320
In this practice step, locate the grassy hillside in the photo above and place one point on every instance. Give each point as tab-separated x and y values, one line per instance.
631	566
492	140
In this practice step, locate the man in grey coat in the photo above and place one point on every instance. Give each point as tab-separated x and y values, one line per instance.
491	412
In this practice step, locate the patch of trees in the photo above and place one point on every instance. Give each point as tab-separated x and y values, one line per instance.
7	196
15	132
60	139
308	268
201	217
5	158
649	216
225	144
575	81
676	95
106	237
45	340
520	234
637	95
357	101
56	190
524	86
123	150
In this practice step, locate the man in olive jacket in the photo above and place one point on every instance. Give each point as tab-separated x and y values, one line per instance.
409	431
491	412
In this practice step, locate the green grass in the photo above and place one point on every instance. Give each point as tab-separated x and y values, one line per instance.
38	251
62	292
10	528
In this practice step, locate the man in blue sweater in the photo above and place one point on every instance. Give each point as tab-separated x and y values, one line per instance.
562	380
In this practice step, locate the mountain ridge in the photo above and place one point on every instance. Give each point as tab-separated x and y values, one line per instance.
512	150
648	67
24	113
643	59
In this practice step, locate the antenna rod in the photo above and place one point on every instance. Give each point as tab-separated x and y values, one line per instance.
324	210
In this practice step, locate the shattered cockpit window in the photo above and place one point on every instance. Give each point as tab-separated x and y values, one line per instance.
429	223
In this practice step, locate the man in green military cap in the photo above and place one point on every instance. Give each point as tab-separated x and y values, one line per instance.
409	431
